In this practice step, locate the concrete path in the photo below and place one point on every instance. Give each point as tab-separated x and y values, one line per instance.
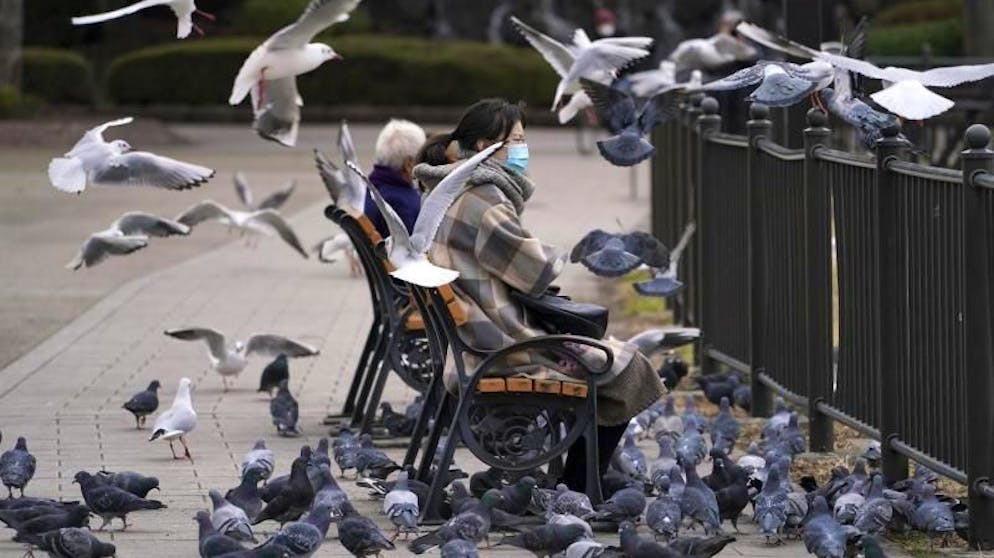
65	394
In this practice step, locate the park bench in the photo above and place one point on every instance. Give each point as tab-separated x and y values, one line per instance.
396	340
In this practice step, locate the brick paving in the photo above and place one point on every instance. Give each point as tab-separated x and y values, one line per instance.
65	394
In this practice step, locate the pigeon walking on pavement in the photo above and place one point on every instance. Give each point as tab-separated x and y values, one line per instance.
135	483
823	536
293	500
110	502
259	460
17	467
210	542
285	411
246	494
546	540
178	421
274	373
472	524
74	516
144	403
72	542
303	538
360	536
401	506
230	519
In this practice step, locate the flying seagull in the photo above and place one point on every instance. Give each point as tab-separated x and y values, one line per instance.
779	84
230	360
598	60
270	72
266	221
178	421
184	10
407	252
94	160
347	190
127	234
272	201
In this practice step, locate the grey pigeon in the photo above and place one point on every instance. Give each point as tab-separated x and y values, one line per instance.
274	373
293	500
613	255
482	481
546	539
285	411
636	547
414	409
459	548
135	483
933	516
472	524
274	551
73	542
143	403
663	517
877	512
666	459
699	503
344	450
565	519
360	536
725	425
379	488
847	506
303	538
277	484
629	121
676	483
246	495
586	548
778	421
14	517
690	414
516	497
629	459
780	84
691	447
211	543
771	507
701	547
371	462
732	499
328	494
230	519
319	457
401	506
566	501
397	425
823	536
259	460
75	516
626	504
17	466
111	502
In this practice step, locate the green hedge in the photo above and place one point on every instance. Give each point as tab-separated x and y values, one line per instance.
919	11
376	71
57	76
945	38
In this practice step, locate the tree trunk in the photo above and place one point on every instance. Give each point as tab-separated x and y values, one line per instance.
978	29
11	38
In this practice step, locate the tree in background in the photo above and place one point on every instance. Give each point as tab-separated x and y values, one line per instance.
11	38
979	27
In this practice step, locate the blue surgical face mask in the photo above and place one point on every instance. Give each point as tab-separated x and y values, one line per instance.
517	156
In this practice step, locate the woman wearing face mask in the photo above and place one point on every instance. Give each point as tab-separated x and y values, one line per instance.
482	238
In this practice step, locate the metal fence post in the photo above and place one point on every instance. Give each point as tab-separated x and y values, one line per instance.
977	329
818	286
891	297
687	309
708	123
758	126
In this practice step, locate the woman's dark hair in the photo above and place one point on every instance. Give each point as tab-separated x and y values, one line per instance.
489	119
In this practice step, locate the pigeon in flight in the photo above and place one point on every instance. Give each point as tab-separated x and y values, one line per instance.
665	282
184	10
779	84
94	160
613	255
265	221
129	233
270	72
272	201
178	421
407	252
629	121
231	360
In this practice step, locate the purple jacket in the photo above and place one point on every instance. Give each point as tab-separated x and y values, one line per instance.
404	198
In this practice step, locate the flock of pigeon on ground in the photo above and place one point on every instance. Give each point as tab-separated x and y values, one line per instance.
664	497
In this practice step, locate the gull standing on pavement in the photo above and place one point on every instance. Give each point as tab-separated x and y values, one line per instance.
178	421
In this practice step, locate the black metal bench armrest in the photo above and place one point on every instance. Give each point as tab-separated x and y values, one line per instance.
556	345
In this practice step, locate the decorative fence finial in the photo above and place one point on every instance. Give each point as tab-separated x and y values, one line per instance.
759	111
978	136
816	118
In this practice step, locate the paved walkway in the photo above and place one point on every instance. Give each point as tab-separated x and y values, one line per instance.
65	394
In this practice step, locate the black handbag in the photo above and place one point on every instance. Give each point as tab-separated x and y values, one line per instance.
560	314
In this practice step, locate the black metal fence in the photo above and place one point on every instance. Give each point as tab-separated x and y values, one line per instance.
856	286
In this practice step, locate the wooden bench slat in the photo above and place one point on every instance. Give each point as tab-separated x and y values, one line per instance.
520	384
491	385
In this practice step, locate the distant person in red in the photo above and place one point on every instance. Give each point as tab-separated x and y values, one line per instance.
605	23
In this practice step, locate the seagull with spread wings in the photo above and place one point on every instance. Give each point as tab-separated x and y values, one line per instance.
230	360
347	191
598	61
408	252
270	72
272	201
184	10
906	92
265	221
127	234
94	160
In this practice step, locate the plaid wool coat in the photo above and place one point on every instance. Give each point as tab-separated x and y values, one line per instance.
482	238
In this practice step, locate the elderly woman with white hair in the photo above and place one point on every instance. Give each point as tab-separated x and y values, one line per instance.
397	147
